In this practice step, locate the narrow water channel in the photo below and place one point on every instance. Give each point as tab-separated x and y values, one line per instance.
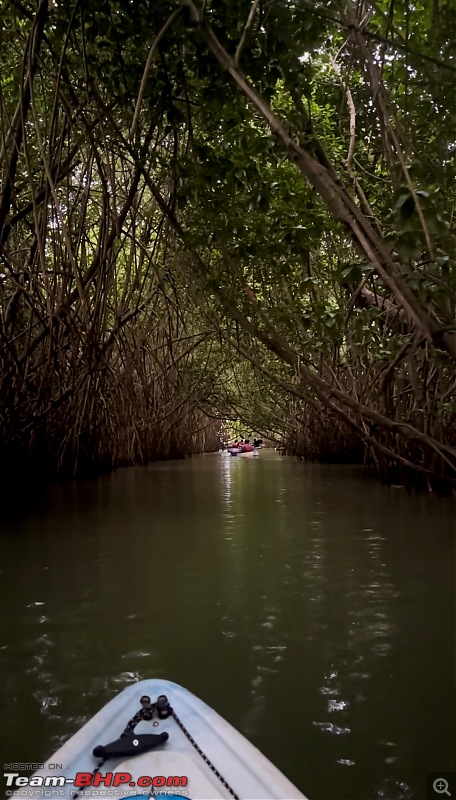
312	608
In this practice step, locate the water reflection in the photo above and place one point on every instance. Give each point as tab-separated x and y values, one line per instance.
298	600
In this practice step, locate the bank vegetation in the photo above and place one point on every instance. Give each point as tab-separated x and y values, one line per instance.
213	210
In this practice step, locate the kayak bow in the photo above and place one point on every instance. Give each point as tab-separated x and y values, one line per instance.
174	740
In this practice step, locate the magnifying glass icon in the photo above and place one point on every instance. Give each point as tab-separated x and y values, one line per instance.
440	786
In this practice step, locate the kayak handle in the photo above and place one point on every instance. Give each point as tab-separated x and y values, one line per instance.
130	744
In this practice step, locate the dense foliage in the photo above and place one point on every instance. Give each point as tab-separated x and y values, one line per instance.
241	209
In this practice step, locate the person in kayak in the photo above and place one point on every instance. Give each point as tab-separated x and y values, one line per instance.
246	447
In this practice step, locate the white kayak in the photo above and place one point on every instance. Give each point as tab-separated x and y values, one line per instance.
196	754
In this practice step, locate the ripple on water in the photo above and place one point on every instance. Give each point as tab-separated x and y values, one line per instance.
337	705
329	690
393	790
381	649
137	654
379	630
45	677
45	701
41	641
329	727
126	678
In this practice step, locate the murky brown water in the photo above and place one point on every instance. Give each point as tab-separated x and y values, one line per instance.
315	610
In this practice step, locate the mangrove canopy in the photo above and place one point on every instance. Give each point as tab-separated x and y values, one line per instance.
214	210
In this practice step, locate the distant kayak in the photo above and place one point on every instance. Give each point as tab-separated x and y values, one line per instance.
243	450
157	739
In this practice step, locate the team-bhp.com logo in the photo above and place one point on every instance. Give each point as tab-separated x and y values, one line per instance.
98	780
